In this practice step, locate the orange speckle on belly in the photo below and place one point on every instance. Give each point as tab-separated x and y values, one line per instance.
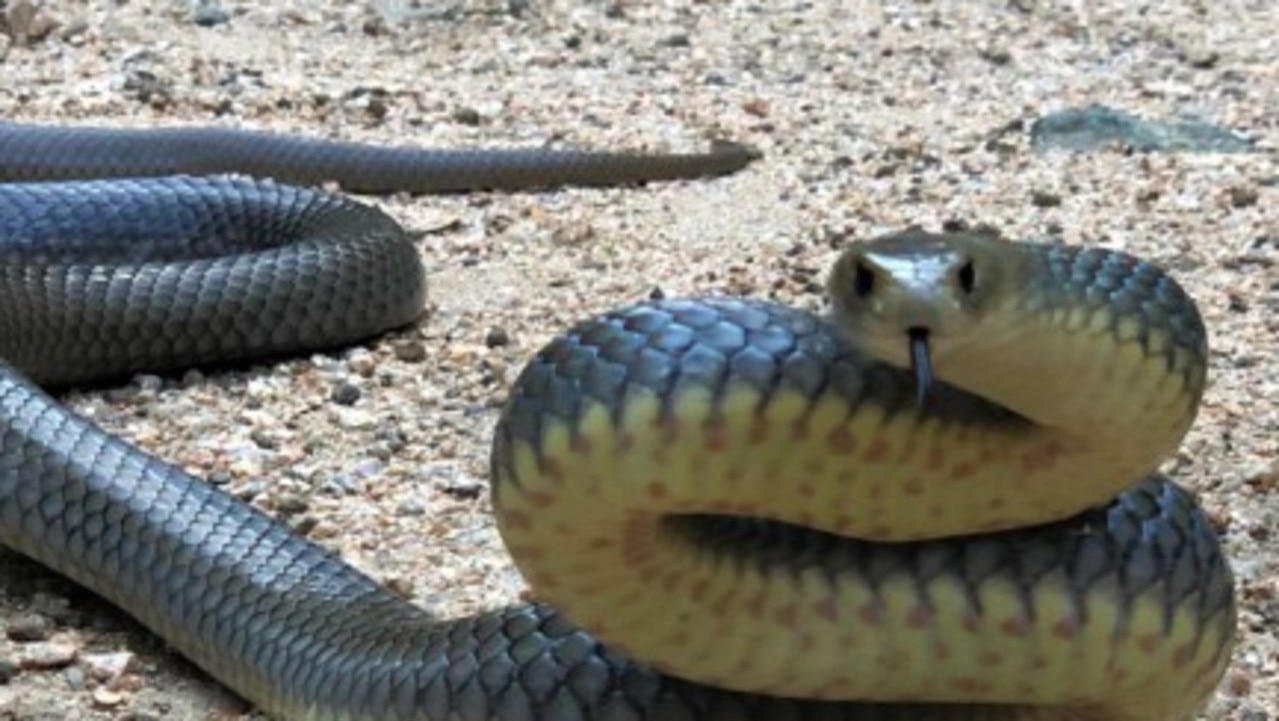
840	442
540	499
1182	655
760	429
581	445
871	614
876	451
1015	627
517	520
1041	458
827	609
936	457
990	658
1066	629
698	590
723	605
787	616
551	469
920	617
970	685
799	429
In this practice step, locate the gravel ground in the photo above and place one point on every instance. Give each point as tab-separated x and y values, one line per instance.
872	116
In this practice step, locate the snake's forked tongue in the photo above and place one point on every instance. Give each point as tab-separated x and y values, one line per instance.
921	365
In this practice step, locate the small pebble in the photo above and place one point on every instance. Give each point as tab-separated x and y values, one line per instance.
410	508
362	363
1201	58
46	655
497	337
1244	196
74	677
106	698
290	504
27	21
367	467
104	666
354	419
463	490
467	116
1044	199
250	490
996	56
304	525
345	394
341	484
410	351
264	438
29	627
399	586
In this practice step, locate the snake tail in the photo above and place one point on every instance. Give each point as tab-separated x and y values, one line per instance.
32	151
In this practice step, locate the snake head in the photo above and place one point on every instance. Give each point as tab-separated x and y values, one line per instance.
912	297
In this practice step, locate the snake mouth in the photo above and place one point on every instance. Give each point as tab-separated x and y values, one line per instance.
921	364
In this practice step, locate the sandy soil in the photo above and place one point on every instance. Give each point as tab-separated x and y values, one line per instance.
871	117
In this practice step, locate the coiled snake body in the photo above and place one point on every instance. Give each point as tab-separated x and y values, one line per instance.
936	504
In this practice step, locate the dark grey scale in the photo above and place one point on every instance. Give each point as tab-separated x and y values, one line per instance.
1121	286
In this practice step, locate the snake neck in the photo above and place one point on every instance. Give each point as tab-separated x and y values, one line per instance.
1094	346
1076	380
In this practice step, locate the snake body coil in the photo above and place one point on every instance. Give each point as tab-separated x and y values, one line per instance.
736	492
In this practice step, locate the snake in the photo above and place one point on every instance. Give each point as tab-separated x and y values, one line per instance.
936	499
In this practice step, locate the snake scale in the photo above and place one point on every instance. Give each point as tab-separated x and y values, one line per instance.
935	503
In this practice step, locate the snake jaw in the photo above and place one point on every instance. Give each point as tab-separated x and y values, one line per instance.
921	365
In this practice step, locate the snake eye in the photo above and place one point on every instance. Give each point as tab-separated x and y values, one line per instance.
967	278
863	280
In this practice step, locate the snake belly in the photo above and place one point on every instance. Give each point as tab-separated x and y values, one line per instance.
1122	611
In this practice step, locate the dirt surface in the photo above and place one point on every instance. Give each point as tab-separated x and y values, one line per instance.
871	117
